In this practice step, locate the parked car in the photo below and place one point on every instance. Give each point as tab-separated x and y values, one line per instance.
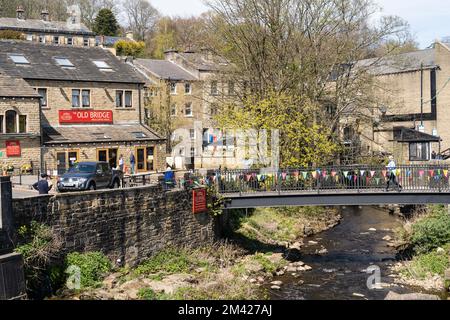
89	176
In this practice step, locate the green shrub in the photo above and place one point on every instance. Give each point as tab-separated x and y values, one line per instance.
429	264
147	294
169	261
432	231
93	266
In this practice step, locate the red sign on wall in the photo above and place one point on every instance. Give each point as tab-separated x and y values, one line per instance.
91	116
199	203
13	149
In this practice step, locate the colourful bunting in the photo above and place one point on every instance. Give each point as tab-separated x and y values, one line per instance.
333	173
345	174
372	173
305	175
384	173
314	174
446	173
363	172
421	173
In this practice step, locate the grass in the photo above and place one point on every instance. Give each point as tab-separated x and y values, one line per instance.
279	224
93	267
429	264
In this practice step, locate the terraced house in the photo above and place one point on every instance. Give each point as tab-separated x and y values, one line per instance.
44	30
91	105
411	119
184	88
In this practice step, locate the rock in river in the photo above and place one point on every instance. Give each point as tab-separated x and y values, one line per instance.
413	296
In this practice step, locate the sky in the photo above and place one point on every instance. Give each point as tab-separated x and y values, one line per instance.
429	19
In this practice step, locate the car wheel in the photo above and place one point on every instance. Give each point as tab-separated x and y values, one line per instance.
92	187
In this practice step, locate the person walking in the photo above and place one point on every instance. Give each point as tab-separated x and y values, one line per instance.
392	167
42	185
121	163
132	163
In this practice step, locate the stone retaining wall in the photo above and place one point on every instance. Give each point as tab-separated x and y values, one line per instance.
127	224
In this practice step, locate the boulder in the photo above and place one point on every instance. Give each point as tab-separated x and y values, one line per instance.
276	283
275	288
412	296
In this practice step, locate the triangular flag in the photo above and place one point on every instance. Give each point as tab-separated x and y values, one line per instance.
284	175
431	173
446	173
333	173
345	174
362	172
314	174
372	173
378	180
324	174
384	173
421	173
305	175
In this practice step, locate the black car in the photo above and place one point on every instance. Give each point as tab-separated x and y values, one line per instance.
89	176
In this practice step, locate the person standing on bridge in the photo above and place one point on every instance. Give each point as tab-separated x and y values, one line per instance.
42	185
392	167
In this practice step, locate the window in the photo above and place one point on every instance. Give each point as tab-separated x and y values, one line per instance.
419	151
70	41
192	152
22	124
29	37
86	42
173	88
1	123
214	90
188	109
231	90
187	88
102	65
192	133
19	59
214	109
11	121
86	95
173	109
75	98
43	93
64	62
119	99
41	39
140	135
124	98
55	40
128	99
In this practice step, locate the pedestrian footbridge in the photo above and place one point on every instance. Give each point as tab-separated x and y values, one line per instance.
333	186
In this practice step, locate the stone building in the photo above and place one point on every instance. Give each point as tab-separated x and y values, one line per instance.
91	105
20	131
410	120
185	88
71	32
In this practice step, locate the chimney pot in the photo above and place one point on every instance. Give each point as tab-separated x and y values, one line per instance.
44	15
20	13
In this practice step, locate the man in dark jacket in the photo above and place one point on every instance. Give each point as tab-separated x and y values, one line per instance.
42	185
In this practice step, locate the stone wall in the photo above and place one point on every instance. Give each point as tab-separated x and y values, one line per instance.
129	225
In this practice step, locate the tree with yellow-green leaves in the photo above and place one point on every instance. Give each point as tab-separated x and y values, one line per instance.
130	48
303	141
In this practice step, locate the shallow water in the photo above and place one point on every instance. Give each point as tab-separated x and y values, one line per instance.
341	273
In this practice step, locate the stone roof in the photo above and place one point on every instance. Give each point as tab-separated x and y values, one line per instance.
204	61
402	134
98	133
35	25
164	69
43	66
15	88
406	62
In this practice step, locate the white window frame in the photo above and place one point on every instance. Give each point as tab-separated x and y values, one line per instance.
191	114
175	86
190	88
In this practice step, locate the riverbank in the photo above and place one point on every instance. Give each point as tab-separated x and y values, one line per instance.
224	271
425	242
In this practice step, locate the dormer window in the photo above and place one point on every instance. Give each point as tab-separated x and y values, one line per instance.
64	62
102	65
19	59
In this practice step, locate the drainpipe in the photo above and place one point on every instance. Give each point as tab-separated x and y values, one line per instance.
41	138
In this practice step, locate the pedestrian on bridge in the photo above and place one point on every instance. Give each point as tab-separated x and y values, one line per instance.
392	167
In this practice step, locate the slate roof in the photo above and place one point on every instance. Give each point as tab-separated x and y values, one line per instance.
15	88
405	62
199	61
35	25
164	69
99	133
44	67
402	134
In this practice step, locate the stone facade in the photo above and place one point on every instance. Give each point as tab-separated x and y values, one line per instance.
130	225
30	141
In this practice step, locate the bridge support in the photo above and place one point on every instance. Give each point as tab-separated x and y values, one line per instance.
12	279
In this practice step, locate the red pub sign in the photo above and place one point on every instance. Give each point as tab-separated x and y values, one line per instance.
13	149
90	116
199	203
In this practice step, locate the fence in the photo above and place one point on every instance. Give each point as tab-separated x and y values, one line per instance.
433	178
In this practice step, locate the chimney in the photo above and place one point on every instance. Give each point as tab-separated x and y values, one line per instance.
44	15
170	54
20	13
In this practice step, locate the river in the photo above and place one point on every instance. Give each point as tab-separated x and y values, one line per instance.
341	273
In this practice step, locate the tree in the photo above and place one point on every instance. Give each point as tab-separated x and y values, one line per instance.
130	48
10	34
302	144
142	17
106	23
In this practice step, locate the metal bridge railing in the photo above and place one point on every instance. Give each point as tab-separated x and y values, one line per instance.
432	178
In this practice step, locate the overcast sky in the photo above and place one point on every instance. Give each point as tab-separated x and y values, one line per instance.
429	19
